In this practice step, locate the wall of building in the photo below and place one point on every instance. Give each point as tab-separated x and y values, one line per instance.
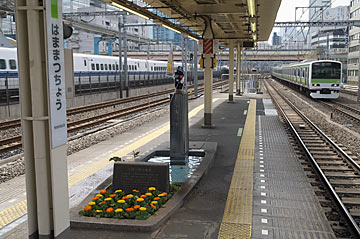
354	44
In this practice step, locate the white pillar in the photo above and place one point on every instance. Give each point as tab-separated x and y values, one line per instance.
238	67
231	71
44	142
208	78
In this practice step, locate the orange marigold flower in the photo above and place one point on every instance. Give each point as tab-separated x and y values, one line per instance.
136	206
103	191
143	196
110	209
130	209
103	202
164	193
135	191
157	198
152	205
95	198
113	195
87	208
124	198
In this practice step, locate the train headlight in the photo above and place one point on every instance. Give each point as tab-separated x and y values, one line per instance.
316	84
334	84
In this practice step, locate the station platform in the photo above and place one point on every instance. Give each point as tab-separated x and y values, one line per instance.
256	187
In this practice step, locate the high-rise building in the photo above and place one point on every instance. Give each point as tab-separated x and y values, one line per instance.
354	45
276	39
316	8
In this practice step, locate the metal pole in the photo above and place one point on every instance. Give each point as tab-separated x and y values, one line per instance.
184	61
125	60
358	98
120	55
231	72
148	50
195	69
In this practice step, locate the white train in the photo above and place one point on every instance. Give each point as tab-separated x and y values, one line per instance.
103	69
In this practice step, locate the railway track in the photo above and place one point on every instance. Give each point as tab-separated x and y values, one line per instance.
338	172
13	143
345	110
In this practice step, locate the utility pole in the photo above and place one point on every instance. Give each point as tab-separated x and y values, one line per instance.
120	55
125	59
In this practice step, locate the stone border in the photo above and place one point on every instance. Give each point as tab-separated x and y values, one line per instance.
161	216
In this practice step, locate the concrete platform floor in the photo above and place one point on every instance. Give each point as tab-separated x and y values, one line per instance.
202	214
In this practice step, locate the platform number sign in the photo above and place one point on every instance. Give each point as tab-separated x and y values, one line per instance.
56	73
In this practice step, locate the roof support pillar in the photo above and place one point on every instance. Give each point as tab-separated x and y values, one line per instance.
208	76
39	33
231	72
238	68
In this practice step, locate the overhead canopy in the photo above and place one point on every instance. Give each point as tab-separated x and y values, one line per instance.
239	20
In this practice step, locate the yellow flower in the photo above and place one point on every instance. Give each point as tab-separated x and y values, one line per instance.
152	189
121	201
143	209
118	191
99	195
98	210
161	195
91	203
130	196
148	194
154	202
107	199
119	210
139	199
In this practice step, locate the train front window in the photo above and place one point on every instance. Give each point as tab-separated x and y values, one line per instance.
2	64
326	70
12	64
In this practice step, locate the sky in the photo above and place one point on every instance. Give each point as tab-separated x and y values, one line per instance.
286	12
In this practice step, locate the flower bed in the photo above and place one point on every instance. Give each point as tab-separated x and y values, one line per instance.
122	205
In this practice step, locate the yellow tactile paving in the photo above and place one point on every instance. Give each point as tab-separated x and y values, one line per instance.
20	209
12	213
237	218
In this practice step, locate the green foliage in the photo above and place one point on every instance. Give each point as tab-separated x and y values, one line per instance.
115	159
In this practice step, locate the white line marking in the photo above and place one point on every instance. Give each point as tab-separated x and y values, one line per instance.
262	187
12	200
264	220
261	157
261	161
261	166
265	232
263	201
263	194
262	170
262	175
262	180
263	210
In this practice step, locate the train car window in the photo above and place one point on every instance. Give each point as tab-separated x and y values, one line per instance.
84	62
102	67
12	64
97	66
92	66
117	67
136	68
2	64
151	68
106	67
109	67
113	67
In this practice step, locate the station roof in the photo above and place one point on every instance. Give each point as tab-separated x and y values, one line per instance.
231	19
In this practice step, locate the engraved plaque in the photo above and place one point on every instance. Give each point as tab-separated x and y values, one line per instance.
141	175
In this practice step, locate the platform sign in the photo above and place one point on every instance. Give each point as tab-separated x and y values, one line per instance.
215	46
201	45
56	73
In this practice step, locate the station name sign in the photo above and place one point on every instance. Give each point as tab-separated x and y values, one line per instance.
56	73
